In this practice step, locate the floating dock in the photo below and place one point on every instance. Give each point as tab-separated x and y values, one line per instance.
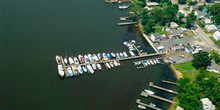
138	101
117	1
124	18
145	94
164	89
126	23
169	82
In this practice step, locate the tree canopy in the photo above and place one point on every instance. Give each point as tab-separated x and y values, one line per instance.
182	1
201	59
215	11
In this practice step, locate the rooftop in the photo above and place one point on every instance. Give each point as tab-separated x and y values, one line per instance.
210	27
207	104
201	12
156	35
152	4
174	31
213	66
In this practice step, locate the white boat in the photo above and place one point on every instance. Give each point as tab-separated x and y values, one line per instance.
113	54
95	57
111	64
100	56
132	53
118	63
90	69
60	70
145	63
125	43
90	58
155	62
148	62
84	69
132	41
79	68
125	54
158	61
109	56
151	62
76	61
118	56
86	59
65	60
70	71
99	66
149	91
108	65
105	57
137	63
115	63
58	59
122	55
94	66
141	107
81	59
71	60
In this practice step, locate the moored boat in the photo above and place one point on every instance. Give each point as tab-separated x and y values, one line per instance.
122	56
151	62
99	66
94	66
60	70
125	54
158	61
108	65
149	91
76	61
86	59
118	63
100	56
113	55
71	60
70	72
65	60
90	69
84	69
118	56
105	57
58	59
111	64
155	62
81	59
125	43
79	68
132	53
90	58
137	63
115	63
145	62
95	57
109	56
148	62
141	107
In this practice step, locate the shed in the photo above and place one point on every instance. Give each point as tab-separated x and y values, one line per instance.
211	28
174	32
200	14
155	37
216	35
179	48
207	21
173	25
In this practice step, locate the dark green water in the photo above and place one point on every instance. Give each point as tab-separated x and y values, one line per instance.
32	32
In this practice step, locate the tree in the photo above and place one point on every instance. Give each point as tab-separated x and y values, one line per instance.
192	3
158	15
182	1
201	59
143	3
136	10
200	8
171	13
190	19
148	28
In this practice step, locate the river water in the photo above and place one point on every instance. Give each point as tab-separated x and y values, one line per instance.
33	32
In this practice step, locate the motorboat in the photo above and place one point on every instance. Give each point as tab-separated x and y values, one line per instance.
151	62
100	56
84	69
118	63
155	62
148	62
58	59
108	65
99	66
122	56
60	70
113	54
94	66
137	63
118	56
79	68
76	61
158	61
95	57
90	58
132	41
70	71
90	69
71	60
86	59
149	92
65	60
125	43
105	57
141	107
132	53
115	63
145	62
109	56
81	59
111	64
125	54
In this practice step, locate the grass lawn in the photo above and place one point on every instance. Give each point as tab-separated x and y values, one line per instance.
184	69
182	25
216	42
189	33
158	29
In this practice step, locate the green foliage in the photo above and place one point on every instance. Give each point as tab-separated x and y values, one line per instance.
215	11
190	19
201	59
136	10
182	1
143	3
215	56
216	42
192	3
200	8
148	28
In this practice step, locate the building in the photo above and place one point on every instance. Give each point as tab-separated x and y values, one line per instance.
207	104
194	8
152	4
203	1
200	14
155	37
179	48
213	67
173	25
175	32
179	108
207	21
188	49
216	35
182	12
211	28
160	48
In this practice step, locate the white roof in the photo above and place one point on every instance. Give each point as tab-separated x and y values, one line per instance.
173	24
152	4
207	104
211	27
207	21
217	33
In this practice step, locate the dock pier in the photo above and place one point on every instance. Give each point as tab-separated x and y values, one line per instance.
145	94
169	82
64	67
117	1
126	23
150	42
138	101
164	89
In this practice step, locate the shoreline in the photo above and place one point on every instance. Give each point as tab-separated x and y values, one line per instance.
177	73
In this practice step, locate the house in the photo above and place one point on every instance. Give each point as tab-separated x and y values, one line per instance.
211	28
179	108
216	35
173	25
193	8
203	1
174	32
207	21
207	104
188	49
182	12
160	48
150	5
200	14
179	48
155	37
213	67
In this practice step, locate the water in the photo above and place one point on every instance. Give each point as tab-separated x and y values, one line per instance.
32	32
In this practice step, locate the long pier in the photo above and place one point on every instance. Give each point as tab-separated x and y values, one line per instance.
126	23
145	94
164	89
117	1
150	42
169	82
138	101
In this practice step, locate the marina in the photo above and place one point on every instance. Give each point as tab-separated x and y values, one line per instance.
164	89
138	101
169	82
126	23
